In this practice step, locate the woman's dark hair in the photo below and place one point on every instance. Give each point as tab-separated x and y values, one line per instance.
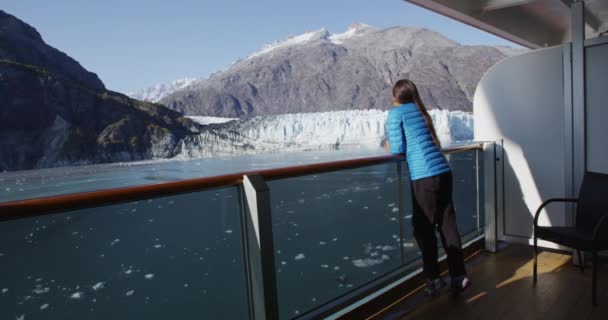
405	91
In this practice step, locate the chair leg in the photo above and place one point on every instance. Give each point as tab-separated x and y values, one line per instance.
534	276
581	263
594	283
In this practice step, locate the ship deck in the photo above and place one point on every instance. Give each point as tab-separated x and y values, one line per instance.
502	289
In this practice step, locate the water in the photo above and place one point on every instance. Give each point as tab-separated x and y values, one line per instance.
29	184
181	256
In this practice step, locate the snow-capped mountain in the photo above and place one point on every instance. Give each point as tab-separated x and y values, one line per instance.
312	131
159	91
356	29
320	71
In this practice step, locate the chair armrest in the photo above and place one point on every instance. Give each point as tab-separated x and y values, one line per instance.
596	230
544	204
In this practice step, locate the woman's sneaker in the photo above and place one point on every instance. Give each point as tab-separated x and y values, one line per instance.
459	284
434	286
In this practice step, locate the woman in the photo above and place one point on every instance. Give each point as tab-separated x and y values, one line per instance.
411	132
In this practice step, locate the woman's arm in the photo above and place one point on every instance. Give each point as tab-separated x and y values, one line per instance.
396	136
387	146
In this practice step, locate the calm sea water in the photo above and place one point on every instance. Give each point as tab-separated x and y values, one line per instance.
181	256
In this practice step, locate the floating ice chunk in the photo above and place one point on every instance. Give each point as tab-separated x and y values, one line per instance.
186	285
98	286
158	246
4	290
392	204
129	293
77	295
408	244
334	239
385	257
366	263
300	201
228	231
395	209
44	306
21	317
324	266
345	258
300	256
40	290
394	219
129	271
322	243
336	268
149	276
283	262
365	208
349	201
373	254
409	216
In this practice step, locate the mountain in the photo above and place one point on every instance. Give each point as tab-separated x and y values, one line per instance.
54	112
319	71
159	91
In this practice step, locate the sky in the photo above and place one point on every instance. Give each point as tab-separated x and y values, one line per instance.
133	44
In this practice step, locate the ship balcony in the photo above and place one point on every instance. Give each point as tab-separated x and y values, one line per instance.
328	240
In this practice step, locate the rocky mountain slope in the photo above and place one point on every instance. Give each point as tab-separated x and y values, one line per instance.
54	112
319	71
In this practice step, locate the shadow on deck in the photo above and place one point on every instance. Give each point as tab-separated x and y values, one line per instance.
502	289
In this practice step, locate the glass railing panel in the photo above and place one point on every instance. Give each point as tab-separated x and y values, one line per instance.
464	171
172	257
333	233
410	246
481	190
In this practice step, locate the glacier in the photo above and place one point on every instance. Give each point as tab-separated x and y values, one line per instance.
310	131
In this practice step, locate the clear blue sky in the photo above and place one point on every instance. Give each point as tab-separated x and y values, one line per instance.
132	44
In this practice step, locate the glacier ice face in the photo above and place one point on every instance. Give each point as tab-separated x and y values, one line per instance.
312	131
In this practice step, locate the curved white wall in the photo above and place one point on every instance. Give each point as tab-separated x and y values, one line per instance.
521	101
596	71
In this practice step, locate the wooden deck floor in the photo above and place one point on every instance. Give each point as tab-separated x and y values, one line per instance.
502	289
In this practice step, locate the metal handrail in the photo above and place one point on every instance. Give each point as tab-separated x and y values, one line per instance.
20	209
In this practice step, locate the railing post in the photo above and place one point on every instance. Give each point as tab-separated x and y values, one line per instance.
490	160
260	248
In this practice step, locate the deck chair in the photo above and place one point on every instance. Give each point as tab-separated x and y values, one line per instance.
590	232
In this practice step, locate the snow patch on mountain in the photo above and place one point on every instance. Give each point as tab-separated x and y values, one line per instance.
312	131
356	29
159	91
291	41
